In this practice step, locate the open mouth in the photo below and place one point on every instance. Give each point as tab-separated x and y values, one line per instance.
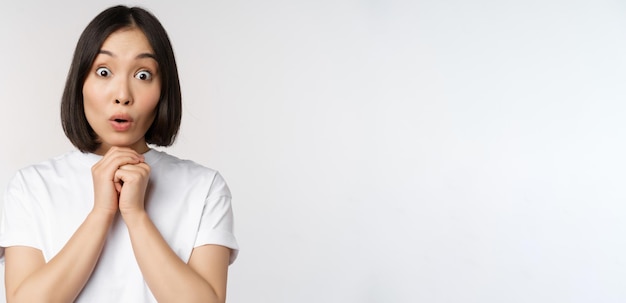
121	122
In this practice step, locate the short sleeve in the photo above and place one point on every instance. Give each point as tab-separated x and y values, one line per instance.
217	222
17	222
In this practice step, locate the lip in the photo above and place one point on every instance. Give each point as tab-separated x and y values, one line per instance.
121	122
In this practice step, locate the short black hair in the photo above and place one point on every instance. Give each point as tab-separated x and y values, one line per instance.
167	120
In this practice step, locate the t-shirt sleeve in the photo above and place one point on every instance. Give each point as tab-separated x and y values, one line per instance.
217	222
17	221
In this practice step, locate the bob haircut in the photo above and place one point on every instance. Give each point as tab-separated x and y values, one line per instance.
167	120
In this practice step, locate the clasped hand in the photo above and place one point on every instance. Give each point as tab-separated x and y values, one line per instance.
120	181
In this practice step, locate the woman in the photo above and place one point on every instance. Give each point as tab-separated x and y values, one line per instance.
116	221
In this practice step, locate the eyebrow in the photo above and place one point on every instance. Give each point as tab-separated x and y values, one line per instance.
140	56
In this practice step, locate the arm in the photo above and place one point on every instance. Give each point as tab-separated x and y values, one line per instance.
203	279
170	279
28	278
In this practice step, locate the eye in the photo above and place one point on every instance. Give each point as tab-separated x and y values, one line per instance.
143	75
103	72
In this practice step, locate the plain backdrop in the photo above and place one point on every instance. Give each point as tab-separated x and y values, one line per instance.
380	151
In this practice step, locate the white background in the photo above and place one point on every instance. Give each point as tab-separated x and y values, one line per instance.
381	151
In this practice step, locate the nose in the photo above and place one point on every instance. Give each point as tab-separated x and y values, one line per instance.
123	96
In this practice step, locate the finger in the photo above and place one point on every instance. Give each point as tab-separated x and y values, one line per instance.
140	167
113	151
119	158
132	173
118	186
128	155
113	161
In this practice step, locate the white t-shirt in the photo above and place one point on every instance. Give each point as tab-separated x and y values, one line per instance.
44	205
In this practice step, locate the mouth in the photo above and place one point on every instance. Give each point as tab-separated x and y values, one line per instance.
121	118
121	122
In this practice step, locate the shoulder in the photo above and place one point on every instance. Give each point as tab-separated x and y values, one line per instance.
63	164
45	175
166	166
173	164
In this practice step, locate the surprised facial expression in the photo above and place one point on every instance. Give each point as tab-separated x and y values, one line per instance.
122	90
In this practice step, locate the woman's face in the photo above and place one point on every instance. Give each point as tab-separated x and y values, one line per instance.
122	90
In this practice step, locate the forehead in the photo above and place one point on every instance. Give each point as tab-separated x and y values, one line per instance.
127	41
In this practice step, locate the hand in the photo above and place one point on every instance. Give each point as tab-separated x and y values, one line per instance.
104	172
131	182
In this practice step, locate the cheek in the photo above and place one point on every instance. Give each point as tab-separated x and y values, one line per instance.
90	90
93	102
152	99
88	98
148	105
